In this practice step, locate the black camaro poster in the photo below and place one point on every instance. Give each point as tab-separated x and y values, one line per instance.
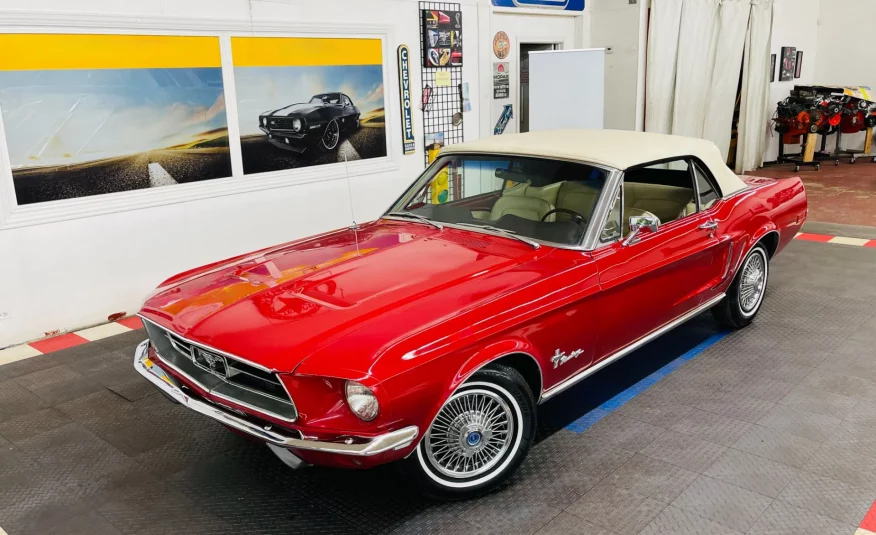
442	38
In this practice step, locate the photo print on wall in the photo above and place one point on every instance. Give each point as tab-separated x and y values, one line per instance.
789	64
442	38
308	101
92	114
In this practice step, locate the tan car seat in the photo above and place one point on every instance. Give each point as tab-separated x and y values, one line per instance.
531	208
577	197
666	202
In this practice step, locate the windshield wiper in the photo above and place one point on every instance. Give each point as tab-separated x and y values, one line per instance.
503	232
426	220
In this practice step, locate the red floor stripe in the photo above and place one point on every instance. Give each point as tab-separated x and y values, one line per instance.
871	243
132	323
57	343
814	237
869	522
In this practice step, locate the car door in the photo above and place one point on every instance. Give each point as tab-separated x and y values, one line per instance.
650	280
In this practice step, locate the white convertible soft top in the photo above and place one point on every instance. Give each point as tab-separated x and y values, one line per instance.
620	149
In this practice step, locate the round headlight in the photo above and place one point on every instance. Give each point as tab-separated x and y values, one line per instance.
296	124
362	401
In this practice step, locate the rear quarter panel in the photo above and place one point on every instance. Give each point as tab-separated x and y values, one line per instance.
776	206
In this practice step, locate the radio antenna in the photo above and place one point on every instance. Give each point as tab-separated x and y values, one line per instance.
355	226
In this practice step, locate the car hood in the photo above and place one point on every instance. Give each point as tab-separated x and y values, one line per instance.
379	284
293	109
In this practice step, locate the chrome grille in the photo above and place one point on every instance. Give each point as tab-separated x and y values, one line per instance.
222	374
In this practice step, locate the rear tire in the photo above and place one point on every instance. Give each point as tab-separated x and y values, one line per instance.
745	295
479	438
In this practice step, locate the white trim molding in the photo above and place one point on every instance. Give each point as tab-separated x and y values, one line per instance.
12	215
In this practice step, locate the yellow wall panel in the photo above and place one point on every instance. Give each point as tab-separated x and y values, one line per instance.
304	51
28	52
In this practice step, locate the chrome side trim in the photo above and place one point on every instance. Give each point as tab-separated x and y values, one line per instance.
629	349
390	441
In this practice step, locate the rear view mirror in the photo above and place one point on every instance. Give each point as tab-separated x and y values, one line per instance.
641	224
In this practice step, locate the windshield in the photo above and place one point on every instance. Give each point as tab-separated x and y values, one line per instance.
547	200
332	98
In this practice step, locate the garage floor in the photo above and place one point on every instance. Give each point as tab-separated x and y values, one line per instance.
771	430
844	194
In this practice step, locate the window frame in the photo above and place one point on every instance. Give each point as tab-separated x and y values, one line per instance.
691	160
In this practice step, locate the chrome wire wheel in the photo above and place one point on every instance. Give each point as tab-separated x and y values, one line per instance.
752	283
471	433
331	136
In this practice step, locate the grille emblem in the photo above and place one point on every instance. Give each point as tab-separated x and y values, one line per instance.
211	361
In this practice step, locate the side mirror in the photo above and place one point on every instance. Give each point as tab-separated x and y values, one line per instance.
641	224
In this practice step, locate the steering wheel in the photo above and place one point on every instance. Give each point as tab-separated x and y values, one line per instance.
576	217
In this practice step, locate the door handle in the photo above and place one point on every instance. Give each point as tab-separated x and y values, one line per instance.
709	225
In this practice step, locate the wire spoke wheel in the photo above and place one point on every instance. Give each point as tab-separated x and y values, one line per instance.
471	434
752	283
331	136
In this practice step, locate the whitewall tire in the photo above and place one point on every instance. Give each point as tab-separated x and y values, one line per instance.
479	438
745	295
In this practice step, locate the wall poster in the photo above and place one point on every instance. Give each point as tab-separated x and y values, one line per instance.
501	77
308	101
92	114
789	64
442	38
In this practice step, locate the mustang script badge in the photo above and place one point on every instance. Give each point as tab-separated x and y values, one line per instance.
561	358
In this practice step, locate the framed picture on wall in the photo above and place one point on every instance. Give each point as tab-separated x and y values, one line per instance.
799	65
789	64
773	68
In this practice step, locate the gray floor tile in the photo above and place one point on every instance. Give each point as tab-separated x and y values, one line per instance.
775	366
623	432
751	472
711	427
29	425
758	386
652	478
15	400
777	446
843	464
817	427
683	450
47	377
502	516
567	524
653	410
819	401
784	519
837	383
864	413
736	406
723	503
828	497
617	509
675	521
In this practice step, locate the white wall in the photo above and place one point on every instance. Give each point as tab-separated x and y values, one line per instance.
76	271
570	30
614	24
795	23
845	56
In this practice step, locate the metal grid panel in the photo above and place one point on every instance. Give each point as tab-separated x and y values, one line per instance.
445	101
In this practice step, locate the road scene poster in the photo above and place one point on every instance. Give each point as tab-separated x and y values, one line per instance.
93	114
308	101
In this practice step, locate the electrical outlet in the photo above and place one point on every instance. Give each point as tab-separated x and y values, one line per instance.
4	315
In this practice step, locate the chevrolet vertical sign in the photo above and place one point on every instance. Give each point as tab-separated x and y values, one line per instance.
404	85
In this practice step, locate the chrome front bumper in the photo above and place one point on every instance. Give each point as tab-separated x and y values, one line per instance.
169	386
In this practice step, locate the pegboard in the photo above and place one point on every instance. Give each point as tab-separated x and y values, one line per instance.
445	101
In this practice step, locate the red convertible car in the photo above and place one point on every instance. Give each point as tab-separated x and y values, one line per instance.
430	335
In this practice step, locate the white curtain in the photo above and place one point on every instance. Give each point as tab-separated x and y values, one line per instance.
754	114
695	52
696	62
662	55
725	76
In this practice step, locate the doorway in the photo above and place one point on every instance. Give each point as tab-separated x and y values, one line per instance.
525	49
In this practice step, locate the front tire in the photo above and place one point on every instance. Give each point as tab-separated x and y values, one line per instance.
479	437
331	137
745	295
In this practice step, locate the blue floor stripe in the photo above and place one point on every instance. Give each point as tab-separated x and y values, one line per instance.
585	422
